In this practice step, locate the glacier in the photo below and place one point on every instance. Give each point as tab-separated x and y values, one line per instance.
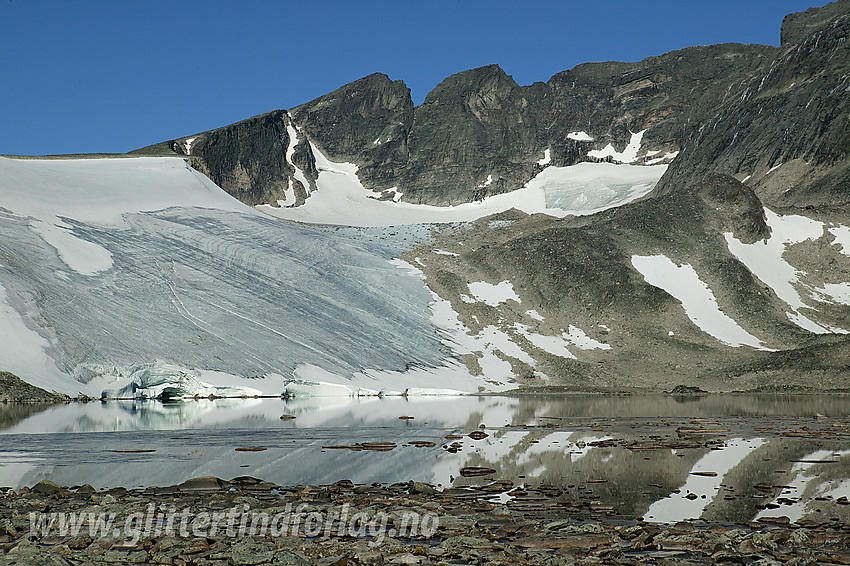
132	275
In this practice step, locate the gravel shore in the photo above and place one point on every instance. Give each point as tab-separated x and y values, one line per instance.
403	523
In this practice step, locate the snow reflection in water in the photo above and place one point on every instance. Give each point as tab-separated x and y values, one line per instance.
638	455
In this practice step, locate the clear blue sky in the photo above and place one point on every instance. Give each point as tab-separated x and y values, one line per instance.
112	76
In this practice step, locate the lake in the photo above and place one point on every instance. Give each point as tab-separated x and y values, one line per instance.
727	458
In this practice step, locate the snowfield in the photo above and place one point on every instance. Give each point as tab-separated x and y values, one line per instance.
585	188
765	260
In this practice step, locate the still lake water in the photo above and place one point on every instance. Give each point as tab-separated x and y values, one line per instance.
722	458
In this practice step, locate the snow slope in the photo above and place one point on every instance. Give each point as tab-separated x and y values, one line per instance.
683	283
765	260
123	274
584	188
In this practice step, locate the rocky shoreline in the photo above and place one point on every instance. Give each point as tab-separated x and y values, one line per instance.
257	522
15	390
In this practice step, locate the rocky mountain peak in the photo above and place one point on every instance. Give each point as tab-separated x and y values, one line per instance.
786	133
799	26
727	109
488	83
360	118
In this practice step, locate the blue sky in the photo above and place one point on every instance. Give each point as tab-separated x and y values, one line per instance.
113	76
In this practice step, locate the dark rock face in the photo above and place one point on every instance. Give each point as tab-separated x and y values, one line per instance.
799	26
245	158
249	159
474	125
788	134
661	94
479	133
366	122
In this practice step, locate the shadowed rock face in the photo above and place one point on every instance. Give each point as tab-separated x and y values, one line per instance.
249	159
788	134
366	122
474	124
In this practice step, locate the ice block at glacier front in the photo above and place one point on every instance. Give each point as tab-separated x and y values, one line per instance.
169	382
119	263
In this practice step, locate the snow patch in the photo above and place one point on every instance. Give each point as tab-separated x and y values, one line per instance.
683	283
187	144
84	257
772	169
629	153
535	315
547	158
578	337
493	295
669	156
842	238
557	345
764	259
678	507
801	483
290	152
444	252
289	198
835	292
580	136
396	194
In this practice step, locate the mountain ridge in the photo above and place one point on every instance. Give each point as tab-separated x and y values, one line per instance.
480	122
478	133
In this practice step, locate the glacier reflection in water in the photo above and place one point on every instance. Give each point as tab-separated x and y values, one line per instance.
726	458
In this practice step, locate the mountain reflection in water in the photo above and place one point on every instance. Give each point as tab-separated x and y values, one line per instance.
720	458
